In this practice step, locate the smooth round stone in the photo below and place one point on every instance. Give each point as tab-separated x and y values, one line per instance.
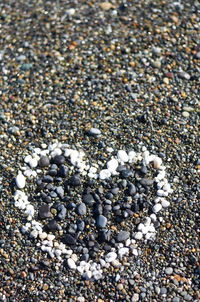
47	179
185	114
122	236
157	208
131	189
58	160
104	174
163	291
165	203
184	75
44	211
81	209
20	181
169	270
69	239
122	156
135	297
110	257
75	181
44	161
94	132
71	264
101	221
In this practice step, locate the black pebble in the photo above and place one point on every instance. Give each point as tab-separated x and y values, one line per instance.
44	162
69	239
58	160
44	211
53	226
88	199
63	171
75	180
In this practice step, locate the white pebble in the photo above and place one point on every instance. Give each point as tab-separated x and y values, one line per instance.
138	235
110	257
157	208
122	156
104	174
123	251
27	158
33	163
153	217
43	235
29	210
165	203
157	162
34	234
74	257
135	252
112	165
50	237
71	264
20	180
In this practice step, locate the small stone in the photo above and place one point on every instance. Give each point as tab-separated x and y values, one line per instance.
110	257
44	211
169	270
53	226
47	179
157	63
157	208
63	171
184	75
94	132
20	180
88	199
75	181
59	160
69	239
101	221
104	174
122	156
185	114
71	264
146	182
135	297
122	236
106	5
60	191
44	161
81	209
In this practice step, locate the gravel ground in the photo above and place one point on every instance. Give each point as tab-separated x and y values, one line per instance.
132	70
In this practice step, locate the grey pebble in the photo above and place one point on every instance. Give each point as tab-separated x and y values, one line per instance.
94	132
101	221
81	209
122	236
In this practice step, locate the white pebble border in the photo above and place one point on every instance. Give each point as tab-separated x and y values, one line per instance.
48	243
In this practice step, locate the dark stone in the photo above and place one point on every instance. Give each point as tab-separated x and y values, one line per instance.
146	182
53	226
104	235
101	221
122	236
47	179
44	211
62	212
88	199
80	225
131	189
60	191
53	194
115	191
127	173
52	172
75	180
63	171
58	160
46	198
81	209
44	162
69	239
121	168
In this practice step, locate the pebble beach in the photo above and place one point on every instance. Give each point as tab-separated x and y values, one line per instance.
99	151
